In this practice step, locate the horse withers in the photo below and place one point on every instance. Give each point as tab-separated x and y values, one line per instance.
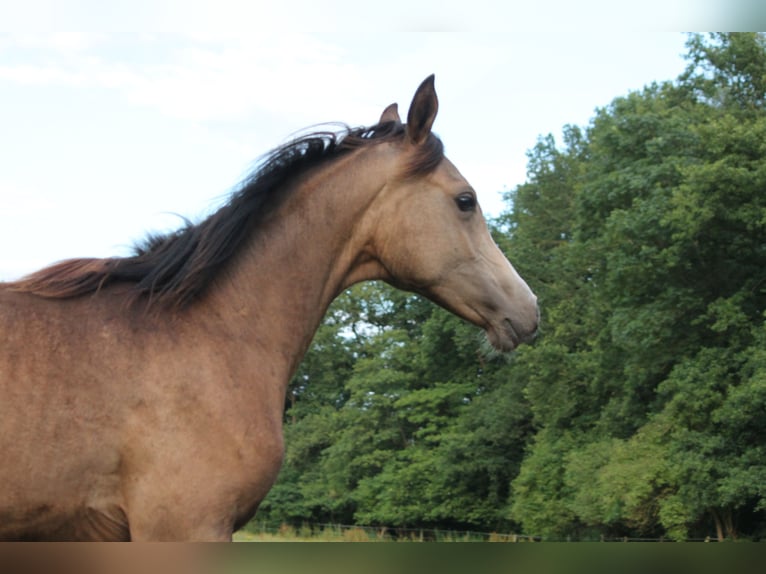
141	397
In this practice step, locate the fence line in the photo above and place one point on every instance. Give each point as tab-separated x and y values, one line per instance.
442	534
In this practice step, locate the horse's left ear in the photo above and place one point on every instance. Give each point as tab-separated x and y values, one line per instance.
390	114
422	112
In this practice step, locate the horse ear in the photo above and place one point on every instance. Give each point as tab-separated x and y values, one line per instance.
422	112
391	114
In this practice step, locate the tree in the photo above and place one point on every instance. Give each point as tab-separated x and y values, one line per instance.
666	262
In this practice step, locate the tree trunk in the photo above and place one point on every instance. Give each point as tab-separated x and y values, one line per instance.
724	524
728	523
718	525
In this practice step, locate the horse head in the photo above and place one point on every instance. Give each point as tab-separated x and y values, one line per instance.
431	236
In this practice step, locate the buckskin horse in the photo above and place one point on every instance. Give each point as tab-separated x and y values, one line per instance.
141	397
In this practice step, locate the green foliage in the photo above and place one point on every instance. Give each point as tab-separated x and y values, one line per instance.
639	410
668	278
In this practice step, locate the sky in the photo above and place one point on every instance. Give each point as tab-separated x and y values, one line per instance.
116	118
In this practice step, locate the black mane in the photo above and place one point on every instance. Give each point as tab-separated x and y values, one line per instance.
172	270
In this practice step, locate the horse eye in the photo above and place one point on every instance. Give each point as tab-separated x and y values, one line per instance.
466	202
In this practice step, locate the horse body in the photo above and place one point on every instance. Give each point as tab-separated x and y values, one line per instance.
123	420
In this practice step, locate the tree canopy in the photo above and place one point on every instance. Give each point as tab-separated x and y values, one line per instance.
640	410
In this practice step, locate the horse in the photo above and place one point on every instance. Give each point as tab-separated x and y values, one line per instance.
142	397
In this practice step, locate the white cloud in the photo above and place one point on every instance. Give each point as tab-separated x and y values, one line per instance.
220	82
16	201
228	74
197	80
63	42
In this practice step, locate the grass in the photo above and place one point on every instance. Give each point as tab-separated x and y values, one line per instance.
336	533
327	533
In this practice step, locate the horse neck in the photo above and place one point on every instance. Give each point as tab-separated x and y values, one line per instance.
312	248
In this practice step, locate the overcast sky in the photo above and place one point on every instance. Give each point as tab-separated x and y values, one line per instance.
112	119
